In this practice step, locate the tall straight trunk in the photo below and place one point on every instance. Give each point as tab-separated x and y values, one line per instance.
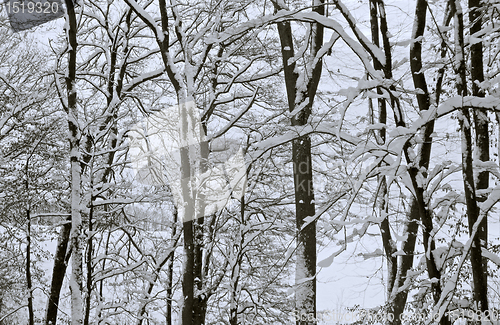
31	314
200	297
387	241
170	281
188	270
90	269
479	263
235	277
397	273
305	295
478	269
424	104
191	210
58	272
195	302
190	309
305	275
423	99
170	273
74	142
419	210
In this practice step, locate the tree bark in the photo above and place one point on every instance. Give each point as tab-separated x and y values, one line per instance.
31	314
74	141
88	260
423	99
411	228
479	263
170	273
58	272
478	267
387	241
305	276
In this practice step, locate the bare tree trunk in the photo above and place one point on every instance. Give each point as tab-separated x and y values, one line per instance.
405	263
305	276
74	141
31	314
188	213
90	269
58	272
411	229
188	272
170	272
423	99
236	269
478	268
198	310
305	295
387	241
479	263
200	297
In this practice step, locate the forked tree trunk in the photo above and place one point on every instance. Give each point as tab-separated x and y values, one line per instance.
423	100
305	276
411	229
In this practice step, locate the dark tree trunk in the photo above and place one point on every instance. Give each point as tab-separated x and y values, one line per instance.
479	263
423	99
411	228
170	273
90	269
305	296
478	266
387	241
58	272
406	262
31	314
306	239
419	210
187	274
201	297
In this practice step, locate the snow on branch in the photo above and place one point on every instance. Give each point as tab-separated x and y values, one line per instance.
146	18
452	104
374	50
237	117
308	17
298	131
493	198
142	78
491	256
